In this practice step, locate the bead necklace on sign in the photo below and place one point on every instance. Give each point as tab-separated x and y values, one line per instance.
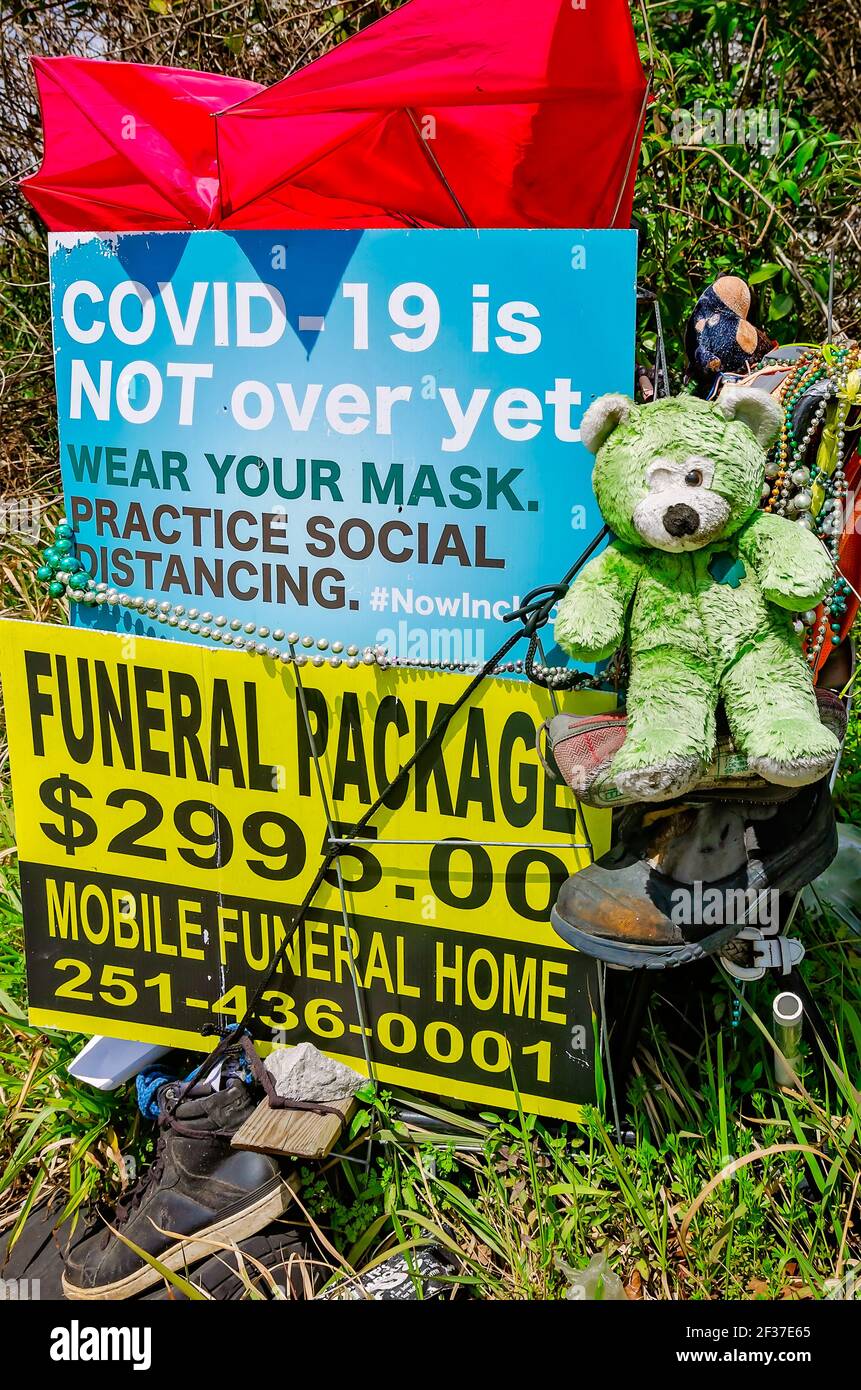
64	575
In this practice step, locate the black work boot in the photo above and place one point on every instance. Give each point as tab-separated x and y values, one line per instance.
197	1187
625	910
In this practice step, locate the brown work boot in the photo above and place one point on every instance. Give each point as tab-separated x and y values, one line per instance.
625	909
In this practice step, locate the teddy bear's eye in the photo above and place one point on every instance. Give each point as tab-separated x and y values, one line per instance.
694	477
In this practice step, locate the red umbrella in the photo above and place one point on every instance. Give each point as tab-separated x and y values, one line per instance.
494	113
127	146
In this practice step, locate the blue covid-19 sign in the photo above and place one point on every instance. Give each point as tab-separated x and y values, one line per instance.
370	437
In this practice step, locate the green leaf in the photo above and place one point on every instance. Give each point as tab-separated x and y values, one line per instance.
791	189
803	154
780	306
764	272
360	1121
10	1008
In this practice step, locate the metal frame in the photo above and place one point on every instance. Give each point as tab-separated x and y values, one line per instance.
343	840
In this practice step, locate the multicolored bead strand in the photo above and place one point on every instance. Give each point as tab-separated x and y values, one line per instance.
798	488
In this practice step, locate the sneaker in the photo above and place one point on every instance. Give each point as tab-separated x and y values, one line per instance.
197	1191
580	749
624	910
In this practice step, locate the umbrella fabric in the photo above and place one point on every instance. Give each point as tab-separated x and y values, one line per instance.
128	146
495	113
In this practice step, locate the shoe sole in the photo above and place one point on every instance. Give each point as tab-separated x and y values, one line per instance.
273	1202
636	956
639	957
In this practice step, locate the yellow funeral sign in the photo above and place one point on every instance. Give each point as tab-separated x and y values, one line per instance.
170	818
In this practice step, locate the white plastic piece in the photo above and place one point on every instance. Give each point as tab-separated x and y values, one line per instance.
769	953
107	1062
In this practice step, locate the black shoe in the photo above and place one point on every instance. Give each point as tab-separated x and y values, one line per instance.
197	1193
624	911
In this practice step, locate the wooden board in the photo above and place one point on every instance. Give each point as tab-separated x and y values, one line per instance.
301	1133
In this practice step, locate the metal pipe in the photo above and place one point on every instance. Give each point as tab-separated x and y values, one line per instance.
454	843
787	1013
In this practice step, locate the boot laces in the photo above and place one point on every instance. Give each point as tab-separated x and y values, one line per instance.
130	1201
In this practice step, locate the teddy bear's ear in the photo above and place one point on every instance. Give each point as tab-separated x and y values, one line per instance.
602	417
756	409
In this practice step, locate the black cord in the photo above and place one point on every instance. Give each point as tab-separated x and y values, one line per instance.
535	610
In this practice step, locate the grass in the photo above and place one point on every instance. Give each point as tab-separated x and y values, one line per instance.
726	1187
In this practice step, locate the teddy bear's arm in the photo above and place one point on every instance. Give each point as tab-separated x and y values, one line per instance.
791	564
590	622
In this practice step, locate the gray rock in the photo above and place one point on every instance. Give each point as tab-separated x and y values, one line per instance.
305	1073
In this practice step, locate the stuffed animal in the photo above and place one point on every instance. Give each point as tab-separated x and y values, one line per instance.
704	586
719	336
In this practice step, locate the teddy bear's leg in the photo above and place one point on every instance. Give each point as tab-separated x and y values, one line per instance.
773	715
671	725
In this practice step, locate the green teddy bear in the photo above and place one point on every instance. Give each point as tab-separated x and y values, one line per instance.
704	585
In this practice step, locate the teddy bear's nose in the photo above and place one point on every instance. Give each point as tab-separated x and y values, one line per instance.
681	520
